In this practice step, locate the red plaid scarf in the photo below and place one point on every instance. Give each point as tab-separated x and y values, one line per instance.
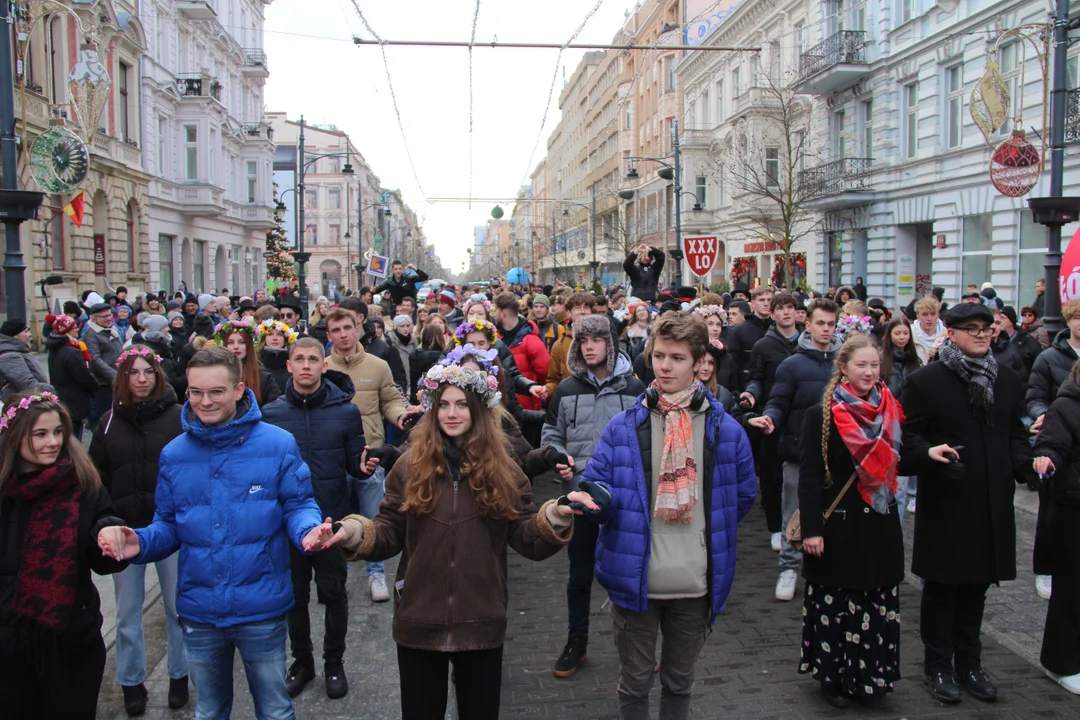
870	429
49	561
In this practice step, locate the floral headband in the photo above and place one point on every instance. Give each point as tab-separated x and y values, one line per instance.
477	381
705	311
12	410
223	330
268	326
478	299
138	351
484	358
858	323
471	326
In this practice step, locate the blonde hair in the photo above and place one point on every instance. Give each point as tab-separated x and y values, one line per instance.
856	307
1070	310
927	303
854	343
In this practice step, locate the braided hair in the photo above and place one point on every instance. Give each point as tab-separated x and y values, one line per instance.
853	343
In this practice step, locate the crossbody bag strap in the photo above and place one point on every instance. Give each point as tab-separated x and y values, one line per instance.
841	495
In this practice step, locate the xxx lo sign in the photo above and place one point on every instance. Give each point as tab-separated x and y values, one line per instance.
701	253
1069	275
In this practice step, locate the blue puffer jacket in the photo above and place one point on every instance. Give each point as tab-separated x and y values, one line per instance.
230	498
625	543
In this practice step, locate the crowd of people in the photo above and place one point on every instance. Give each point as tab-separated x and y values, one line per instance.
247	451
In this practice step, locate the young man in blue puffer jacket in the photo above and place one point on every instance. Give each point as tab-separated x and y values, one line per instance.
672	476
232	492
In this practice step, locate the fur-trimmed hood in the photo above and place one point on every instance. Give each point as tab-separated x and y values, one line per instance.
591	326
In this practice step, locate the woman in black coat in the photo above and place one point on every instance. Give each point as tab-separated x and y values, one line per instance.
145	417
425	355
52	506
69	370
1057	459
853	563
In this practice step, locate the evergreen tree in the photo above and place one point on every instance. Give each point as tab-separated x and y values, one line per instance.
280	265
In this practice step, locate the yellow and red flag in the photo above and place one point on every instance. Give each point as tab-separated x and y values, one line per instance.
75	209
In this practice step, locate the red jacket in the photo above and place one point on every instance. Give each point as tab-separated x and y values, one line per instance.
531	356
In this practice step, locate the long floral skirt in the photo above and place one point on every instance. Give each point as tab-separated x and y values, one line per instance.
851	639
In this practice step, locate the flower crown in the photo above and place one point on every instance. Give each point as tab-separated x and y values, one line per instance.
140	351
477	381
12	410
704	311
471	326
484	358
858	323
223	330
478	298
268	326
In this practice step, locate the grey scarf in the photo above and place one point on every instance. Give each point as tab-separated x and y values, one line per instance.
978	373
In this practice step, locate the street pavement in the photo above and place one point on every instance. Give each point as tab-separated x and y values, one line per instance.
747	668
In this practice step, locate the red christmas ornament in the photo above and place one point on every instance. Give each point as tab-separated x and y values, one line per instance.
1015	166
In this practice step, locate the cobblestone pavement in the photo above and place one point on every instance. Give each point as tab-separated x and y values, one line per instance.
747	668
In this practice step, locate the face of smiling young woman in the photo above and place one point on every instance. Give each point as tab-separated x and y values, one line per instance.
453	413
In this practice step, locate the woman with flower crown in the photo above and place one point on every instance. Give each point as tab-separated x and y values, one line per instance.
273	339
145	417
238	338
52	505
454	502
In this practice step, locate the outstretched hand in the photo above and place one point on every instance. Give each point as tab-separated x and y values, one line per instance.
119	542
320	537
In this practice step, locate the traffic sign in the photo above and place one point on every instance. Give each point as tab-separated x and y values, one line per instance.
701	254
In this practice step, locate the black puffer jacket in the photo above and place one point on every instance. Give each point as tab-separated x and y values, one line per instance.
162	345
740	343
644	279
273	361
70	376
1059	440
1050	370
330	433
765	358
902	366
800	382
125	448
1006	353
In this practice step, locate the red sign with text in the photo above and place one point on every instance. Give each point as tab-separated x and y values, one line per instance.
701	254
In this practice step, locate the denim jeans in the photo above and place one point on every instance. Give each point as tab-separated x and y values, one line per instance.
902	494
130	587
790	558
210	652
369	493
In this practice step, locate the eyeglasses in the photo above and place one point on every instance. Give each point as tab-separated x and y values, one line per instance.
977	331
217	394
149	373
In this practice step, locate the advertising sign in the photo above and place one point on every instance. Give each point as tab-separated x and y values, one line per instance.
701	253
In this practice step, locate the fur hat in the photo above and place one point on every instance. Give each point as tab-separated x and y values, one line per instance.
591	326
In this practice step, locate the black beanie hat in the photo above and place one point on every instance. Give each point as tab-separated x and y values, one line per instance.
13	326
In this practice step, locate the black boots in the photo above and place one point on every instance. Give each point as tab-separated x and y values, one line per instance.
573	655
178	692
337	686
134	699
300	674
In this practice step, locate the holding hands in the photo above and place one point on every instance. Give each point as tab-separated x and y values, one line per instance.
763	423
321	537
118	542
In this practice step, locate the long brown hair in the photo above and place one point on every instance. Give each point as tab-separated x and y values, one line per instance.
911	357
122	387
487	466
22	425
250	367
854	343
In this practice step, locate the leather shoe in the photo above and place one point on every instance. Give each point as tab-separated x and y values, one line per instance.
834	696
943	687
178	692
300	674
979	684
134	699
337	686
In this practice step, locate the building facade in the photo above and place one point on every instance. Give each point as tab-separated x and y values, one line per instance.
210	148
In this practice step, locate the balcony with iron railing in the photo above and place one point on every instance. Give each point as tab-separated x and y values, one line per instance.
836	63
839	184
258	131
198	86
255	62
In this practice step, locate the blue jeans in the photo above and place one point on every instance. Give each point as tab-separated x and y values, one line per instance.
368	494
130	586
262	648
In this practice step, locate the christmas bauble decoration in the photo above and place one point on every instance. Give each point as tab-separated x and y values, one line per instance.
1015	166
497	212
59	160
990	101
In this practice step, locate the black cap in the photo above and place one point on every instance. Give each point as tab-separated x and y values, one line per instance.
876	303
13	326
190	298
972	294
967	312
100	307
70	306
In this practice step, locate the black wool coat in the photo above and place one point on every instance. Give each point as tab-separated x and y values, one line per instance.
126	447
1059	440
965	530
864	549
70	377
740	344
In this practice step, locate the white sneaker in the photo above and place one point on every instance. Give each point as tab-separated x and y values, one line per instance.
785	586
1069	682
774	542
911	505
377	585
1043	586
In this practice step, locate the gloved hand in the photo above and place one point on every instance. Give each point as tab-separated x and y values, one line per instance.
597	492
553	457
387	455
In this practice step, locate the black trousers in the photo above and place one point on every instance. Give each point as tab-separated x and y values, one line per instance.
582	554
1061	636
771	475
66	688
1044	551
328	567
477	681
951	622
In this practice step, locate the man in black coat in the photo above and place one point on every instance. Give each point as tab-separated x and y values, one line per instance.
401	283
643	267
317	409
742	338
965	435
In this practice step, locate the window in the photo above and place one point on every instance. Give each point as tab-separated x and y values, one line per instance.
311	199
954	110
700	184
1010	72
911	120
670	60
735	83
800	42
56	230
252	180
719	102
772	167
907	10
335	234
311	235
774	63
868	129
335	198
57	63
165	262
839	147
161	146
198	265
977	243
191	151
704	109
629	118
125	102
1032	257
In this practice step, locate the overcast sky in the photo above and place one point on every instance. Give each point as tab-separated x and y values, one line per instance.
315	70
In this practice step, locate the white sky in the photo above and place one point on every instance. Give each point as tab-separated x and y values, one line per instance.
329	80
